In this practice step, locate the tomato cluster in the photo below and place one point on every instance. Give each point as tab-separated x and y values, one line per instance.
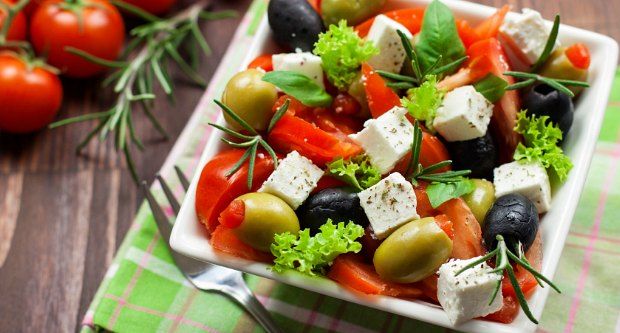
30	90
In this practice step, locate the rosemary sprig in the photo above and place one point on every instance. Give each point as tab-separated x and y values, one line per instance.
155	44
407	82
553	36
418	172
249	142
531	78
503	256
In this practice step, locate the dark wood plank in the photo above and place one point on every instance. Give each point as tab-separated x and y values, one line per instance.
62	216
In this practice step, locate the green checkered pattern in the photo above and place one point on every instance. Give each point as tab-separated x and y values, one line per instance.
144	292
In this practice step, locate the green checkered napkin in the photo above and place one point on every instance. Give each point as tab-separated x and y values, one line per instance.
144	292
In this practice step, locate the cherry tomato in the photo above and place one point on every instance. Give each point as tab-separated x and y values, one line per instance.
30	95
215	191
380	97
17	30
263	62
31	7
155	7
579	55
293	133
93	26
411	18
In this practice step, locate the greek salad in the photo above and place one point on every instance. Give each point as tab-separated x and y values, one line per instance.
407	153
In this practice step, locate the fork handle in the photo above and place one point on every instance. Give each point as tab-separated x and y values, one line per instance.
244	296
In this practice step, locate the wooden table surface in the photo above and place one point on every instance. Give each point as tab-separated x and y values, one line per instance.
63	216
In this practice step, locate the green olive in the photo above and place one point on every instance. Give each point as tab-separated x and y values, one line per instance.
480	199
265	216
357	91
559	67
354	11
413	252
250	98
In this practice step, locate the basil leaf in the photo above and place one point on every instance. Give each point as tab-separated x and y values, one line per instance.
300	87
438	37
439	193
491	87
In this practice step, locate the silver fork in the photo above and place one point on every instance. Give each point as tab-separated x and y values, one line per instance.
204	276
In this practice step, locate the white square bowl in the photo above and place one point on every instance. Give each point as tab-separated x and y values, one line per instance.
188	236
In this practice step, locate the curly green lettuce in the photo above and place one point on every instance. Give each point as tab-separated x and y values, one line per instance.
312	255
342	52
422	102
541	144
357	172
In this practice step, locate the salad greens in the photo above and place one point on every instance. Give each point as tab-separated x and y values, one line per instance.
439	39
357	172
342	52
311	255
299	86
422	102
491	87
541	144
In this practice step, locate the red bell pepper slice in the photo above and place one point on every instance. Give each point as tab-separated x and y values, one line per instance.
293	133
489	28
380	97
579	55
411	18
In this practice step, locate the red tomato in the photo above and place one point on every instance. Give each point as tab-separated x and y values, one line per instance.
224	240
233	215
507	313
579	55
215	191
432	151
327	182
155	7
527	282
489	28
32	6
345	104
30	95
293	133
411	18
263	62
380	97
316	4
467	242
467	34
95	26
351	271
444	222
17	30
505	112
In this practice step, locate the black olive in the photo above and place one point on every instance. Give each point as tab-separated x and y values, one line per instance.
339	204
295	23
543	100
478	155
515	218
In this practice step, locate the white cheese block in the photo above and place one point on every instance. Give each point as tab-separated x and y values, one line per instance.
386	139
525	35
293	180
303	63
389	204
467	296
463	115
529	179
383	34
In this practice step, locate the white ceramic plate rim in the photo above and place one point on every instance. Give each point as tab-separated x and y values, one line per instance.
188	236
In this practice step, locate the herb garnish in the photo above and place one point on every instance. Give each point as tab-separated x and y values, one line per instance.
491	87
549	46
503	255
251	142
299	86
437	191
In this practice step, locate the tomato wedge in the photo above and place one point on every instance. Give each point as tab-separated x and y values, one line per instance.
527	282
489	28
263	62
351	271
579	55
215	191
508	312
380	97
224	240
432	151
467	242
293	133
444	222
411	18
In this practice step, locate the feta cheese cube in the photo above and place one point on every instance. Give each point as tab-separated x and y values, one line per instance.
389	204
293	180
529	179
383	34
303	63
525	35
463	115
386	139
467	296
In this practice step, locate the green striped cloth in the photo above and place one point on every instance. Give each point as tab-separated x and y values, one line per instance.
144	292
